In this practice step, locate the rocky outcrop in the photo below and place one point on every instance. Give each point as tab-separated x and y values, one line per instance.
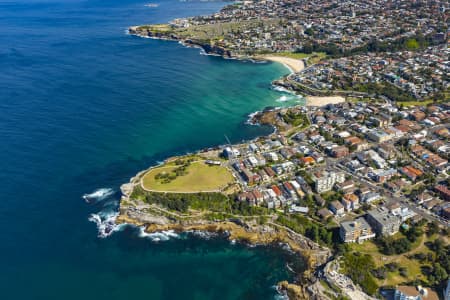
293	291
209	48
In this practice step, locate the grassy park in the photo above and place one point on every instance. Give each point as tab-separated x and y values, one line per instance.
405	260
196	176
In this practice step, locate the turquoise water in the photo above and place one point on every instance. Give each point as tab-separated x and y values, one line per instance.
85	106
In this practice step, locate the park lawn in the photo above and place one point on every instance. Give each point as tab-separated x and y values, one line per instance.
159	28
200	178
415	103
413	266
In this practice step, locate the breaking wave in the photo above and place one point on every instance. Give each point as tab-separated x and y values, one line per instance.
160	236
206	235
249	120
106	223
281	295
290	97
98	195
281	89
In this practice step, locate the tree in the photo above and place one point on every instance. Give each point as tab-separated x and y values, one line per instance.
433	228
411	44
439	273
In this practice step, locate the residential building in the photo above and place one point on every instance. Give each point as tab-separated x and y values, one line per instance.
443	191
324	181
383	221
337	208
378	136
324	213
356	231
339	151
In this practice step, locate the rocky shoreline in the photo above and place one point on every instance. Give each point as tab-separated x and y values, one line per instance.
249	231
207	47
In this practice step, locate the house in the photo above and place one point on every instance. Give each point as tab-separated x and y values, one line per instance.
386	150
423	197
346	204
411	172
355	231
317	157
247	176
269	172
247	197
383	175
308	160
290	191
299	209
324	213
370	197
339	151
346	185
445	213
337	208
319	200
352	200
356	143
297	188
263	175
430	204
259	198
418	115
378	136
276	190
230	152
443	191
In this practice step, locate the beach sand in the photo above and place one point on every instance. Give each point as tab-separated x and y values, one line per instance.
295	65
321	101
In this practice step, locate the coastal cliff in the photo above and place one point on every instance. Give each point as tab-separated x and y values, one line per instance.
167	32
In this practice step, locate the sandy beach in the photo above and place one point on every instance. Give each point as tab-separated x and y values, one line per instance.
321	101
295	65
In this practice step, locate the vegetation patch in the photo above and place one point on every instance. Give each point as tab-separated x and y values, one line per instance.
296	119
358	267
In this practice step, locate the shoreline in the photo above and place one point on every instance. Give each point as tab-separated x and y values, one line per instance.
247	232
294	65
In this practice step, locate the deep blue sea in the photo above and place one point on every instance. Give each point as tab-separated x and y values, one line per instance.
84	106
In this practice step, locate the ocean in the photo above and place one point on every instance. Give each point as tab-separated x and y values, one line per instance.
83	107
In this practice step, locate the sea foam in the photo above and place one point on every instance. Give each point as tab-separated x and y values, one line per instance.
98	195
106	223
289	97
158	236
